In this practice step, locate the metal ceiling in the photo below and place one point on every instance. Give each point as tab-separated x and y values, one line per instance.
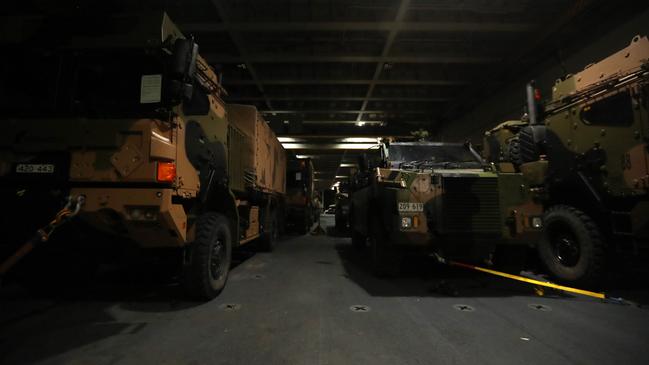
373	67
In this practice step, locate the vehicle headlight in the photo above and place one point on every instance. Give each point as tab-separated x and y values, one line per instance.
537	222
406	222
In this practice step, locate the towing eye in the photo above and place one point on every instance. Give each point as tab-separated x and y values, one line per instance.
42	235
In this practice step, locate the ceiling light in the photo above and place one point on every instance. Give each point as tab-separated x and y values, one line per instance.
286	122
358	140
328	146
348	165
341	176
366	122
360	124
288	139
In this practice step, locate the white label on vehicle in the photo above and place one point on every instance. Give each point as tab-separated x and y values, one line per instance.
298	176
411	207
150	89
29	168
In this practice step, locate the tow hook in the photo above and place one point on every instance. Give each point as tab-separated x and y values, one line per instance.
72	208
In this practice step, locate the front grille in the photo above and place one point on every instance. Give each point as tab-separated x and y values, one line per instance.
470	205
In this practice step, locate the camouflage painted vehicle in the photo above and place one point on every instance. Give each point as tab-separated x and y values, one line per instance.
300	210
133	120
588	147
439	198
497	146
341	221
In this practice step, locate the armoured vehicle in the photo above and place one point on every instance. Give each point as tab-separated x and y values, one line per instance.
588	143
300	210
438	198
342	212
131	118
497	146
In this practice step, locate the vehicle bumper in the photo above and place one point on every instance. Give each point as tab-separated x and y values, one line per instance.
144	215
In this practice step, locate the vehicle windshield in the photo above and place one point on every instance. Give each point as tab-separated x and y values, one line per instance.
432	155
90	83
297	179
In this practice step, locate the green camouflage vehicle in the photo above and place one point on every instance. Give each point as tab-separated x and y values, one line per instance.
438	198
589	146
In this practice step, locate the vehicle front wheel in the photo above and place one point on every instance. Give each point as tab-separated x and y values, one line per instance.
210	255
571	247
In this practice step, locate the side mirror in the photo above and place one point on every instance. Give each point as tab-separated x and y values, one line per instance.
183	65
181	71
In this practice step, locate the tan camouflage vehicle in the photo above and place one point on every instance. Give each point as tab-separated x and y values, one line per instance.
589	146
132	119
300	189
438	198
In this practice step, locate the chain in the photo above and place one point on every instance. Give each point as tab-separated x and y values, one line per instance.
71	209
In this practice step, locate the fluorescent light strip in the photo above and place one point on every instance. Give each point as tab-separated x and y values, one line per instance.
359	140
289	139
358	123
328	146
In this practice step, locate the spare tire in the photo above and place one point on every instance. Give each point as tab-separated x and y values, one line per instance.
514	152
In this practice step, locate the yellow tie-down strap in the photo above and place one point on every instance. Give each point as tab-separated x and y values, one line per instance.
531	281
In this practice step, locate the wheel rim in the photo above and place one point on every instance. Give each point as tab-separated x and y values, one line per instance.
565	246
217	258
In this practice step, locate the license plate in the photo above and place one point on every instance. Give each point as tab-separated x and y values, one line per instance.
31	168
411	207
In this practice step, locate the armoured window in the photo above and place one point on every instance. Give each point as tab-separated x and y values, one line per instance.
614	110
93	83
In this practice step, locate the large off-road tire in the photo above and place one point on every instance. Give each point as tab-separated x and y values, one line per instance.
359	241
572	248
210	255
268	239
514	152
386	259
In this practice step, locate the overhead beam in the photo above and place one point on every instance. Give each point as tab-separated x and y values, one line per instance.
401	14
359	26
339	98
349	82
344	135
299	58
241	47
334	111
354	122
328	146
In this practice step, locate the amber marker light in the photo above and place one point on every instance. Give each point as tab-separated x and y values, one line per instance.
166	172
